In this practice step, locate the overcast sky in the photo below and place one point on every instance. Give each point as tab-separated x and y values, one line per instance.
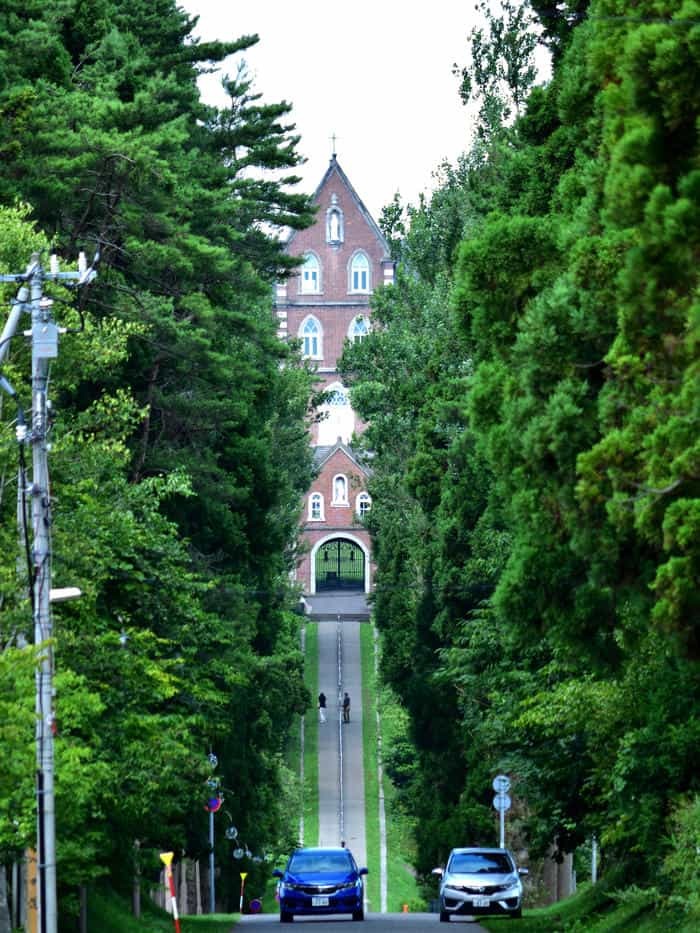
376	73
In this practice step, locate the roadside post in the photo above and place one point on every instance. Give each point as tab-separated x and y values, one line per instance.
502	802
244	875
167	858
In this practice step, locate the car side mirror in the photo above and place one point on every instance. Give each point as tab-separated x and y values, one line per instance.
277	873
438	871
523	871
364	871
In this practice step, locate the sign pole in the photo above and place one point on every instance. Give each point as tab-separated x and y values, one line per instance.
212	868
501	802
244	875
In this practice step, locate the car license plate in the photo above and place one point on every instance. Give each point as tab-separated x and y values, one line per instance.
319	902
481	902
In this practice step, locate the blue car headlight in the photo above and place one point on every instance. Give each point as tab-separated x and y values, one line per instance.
287	886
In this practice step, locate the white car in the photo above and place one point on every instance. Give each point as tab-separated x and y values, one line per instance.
480	882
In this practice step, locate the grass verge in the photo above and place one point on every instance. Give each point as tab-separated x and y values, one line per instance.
369	754
310	788
110	913
401	884
594	909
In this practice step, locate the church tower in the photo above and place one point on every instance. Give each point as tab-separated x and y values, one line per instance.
325	304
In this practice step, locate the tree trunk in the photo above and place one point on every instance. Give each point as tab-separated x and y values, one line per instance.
5	920
82	922
136	882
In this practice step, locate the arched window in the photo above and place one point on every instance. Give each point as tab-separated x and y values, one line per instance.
340	490
310	275
359	328
359	273
316	507
310	334
363	504
337	395
336	417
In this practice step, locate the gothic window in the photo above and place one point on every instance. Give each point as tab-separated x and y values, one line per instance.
311	334
310	275
337	396
363	504
359	273
359	328
316	507
340	490
336	417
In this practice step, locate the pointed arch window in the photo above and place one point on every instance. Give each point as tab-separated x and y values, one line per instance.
363	504
359	273
311	335
316	507
310	283
359	329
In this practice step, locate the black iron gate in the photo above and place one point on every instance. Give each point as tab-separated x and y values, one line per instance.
340	565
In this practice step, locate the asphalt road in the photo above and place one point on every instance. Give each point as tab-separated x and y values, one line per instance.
341	816
378	923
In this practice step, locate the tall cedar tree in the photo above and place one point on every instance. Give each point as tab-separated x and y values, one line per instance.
535	559
184	451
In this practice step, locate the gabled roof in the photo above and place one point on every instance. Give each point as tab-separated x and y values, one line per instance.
323	454
334	168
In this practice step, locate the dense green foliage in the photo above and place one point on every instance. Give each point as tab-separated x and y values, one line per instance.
179	444
532	398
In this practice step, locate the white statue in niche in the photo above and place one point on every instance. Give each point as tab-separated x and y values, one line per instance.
339	489
334	221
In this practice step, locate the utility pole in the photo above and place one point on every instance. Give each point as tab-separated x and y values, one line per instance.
44	340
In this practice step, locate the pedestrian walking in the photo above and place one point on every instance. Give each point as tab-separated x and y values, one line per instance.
322	707
346	707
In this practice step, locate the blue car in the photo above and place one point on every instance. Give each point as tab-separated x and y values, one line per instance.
321	881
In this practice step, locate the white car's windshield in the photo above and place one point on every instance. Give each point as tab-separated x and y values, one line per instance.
480	863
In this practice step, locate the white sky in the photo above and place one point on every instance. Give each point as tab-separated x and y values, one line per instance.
377	74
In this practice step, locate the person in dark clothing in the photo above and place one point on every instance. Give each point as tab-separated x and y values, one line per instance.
322	707
346	707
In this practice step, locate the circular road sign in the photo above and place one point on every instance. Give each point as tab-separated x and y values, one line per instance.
501	802
501	784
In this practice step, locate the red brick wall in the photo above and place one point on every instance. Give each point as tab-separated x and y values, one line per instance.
334	306
335	260
338	520
334	321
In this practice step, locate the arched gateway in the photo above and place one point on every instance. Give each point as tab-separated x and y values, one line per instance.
340	564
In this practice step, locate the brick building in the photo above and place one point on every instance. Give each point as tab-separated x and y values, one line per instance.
326	303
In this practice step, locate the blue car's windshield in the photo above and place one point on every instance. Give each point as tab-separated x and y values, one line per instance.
309	862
